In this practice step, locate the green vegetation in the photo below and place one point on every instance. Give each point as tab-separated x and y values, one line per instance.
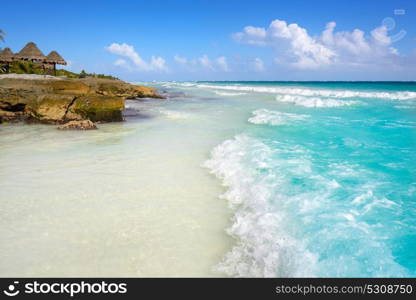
82	74
69	74
27	67
3	68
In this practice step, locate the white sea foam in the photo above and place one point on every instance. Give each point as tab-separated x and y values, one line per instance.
186	84
270	117
314	101
327	93
405	106
229	93
174	115
266	190
399	124
264	247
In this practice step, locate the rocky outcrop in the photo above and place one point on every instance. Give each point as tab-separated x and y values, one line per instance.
57	101
10	116
78	125
108	87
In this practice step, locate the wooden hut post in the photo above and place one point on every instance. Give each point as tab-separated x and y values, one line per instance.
6	57
31	53
54	58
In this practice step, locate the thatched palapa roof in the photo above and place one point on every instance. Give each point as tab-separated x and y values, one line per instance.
31	52
6	55
55	58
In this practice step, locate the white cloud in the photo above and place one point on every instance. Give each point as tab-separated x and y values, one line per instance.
252	35
180	59
222	63
380	35
299	49
127	51
258	65
204	62
158	63
120	62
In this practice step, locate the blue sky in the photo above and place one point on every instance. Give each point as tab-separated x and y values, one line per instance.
222	40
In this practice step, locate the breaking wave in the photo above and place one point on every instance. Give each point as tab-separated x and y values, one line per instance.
314	101
270	117
327	93
264	247
290	220
229	93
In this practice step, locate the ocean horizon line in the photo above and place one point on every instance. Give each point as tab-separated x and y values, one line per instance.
286	81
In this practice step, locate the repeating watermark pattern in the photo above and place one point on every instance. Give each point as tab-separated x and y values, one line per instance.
390	24
399	11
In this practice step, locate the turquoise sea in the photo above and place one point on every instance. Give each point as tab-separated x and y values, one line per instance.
321	176
243	179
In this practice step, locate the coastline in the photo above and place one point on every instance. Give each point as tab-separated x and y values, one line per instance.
137	197
61	100
132	209
253	142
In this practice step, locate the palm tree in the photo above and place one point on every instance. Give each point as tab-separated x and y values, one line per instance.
2	34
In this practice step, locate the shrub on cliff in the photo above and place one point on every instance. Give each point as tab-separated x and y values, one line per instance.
25	67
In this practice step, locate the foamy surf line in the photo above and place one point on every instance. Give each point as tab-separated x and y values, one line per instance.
327	93
270	117
228	93
315	101
269	217
264	248
174	115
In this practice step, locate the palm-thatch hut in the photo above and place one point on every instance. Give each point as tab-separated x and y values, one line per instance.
6	57
54	58
31	52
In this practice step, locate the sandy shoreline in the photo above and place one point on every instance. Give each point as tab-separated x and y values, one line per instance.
112	202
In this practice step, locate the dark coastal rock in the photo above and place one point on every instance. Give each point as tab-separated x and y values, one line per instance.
56	101
97	109
78	125
51	108
10	116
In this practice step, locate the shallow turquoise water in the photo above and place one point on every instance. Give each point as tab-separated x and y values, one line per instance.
321	177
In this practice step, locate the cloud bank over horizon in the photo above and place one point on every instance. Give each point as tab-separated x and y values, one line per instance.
290	47
295	47
226	40
219	64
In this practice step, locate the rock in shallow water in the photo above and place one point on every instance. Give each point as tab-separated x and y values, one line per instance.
78	125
